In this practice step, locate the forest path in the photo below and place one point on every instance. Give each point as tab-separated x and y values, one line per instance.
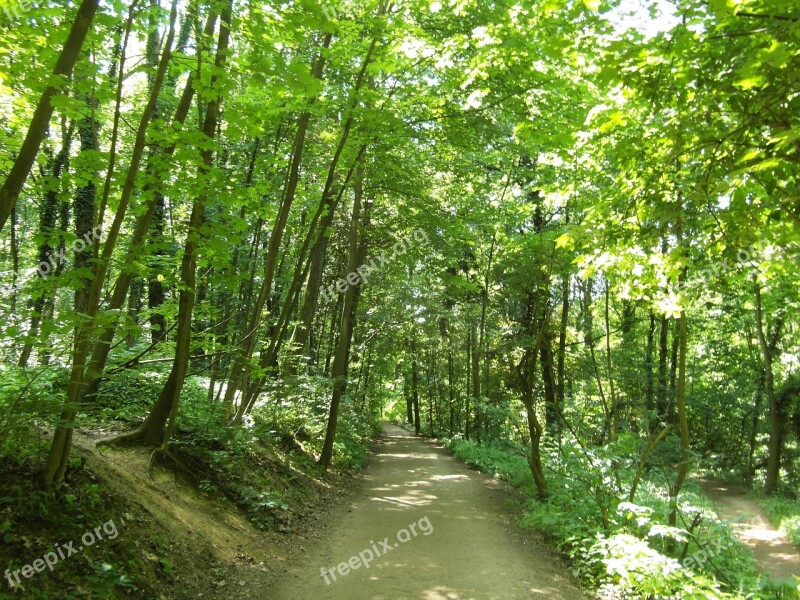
466	546
776	556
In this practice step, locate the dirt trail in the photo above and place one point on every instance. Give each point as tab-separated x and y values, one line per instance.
466	546
776	556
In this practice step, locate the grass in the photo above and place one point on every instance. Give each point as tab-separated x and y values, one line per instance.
495	460
784	514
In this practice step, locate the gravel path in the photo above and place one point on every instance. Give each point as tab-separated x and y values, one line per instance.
425	527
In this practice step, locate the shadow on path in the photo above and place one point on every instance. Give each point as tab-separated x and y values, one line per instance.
466	544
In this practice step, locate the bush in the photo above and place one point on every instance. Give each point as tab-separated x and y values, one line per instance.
624	550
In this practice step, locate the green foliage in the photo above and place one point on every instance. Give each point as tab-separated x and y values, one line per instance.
583	184
28	398
634	570
33	520
785	515
624	549
495	459
257	466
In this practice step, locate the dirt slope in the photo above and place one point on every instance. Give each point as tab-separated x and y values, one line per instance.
463	543
198	545
776	556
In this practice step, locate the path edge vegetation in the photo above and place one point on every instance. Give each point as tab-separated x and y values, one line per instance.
207	215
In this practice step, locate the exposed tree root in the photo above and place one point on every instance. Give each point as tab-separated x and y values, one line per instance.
132	438
167	458
171	458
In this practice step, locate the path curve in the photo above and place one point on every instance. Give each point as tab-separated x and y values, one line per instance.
466	544
776	556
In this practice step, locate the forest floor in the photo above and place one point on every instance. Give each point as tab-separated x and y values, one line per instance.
776	556
435	530
198	544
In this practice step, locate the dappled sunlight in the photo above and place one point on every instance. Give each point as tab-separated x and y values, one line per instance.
449	477
407	500
441	593
468	550
381	455
775	554
765	535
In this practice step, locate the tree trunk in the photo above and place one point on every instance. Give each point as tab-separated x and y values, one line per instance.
774	444
467	412
240	371
650	402
683	423
415	386
303	333
562	348
160	423
476	382
340	359
662	401
84	222
680	399
551	406
102	346
48	214
44	109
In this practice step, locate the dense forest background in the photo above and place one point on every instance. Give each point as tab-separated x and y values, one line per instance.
562	238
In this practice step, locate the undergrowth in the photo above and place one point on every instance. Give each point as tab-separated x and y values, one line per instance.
81	514
784	513
266	467
623	548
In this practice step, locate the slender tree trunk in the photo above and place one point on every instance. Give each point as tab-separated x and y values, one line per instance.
663	402
303	333
431	392
680	401
279	330
470	358
451	382
683	423
155	430
526	373
14	260
134	306
84	222
650	401
613	421
48	215
774	444
415	386
562	350
136	247
409	398
476	381
551	405
37	130
753	435
340	359
240	370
